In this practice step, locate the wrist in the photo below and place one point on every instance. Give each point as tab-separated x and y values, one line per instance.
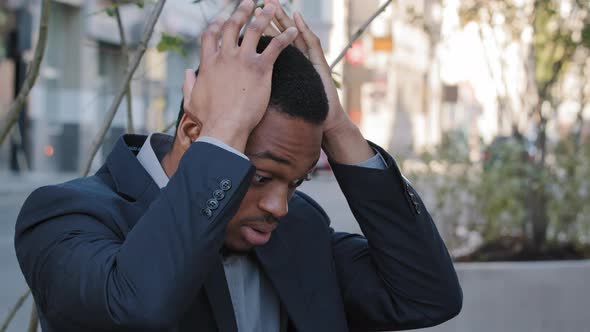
235	137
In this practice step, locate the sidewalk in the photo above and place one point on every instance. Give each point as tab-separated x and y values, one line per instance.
24	183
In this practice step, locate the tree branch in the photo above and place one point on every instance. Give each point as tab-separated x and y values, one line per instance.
17	105
33	319
14	310
147	33
359	32
125	50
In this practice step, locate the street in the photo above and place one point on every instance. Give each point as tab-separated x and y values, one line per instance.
15	189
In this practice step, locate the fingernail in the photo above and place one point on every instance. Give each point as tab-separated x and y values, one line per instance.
292	31
269	8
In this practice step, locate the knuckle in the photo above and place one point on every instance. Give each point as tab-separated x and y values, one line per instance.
278	43
244	8
255	27
209	33
260	65
232	23
213	27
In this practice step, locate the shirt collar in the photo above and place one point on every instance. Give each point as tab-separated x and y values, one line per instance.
156	144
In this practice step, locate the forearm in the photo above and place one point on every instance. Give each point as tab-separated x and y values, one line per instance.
346	145
185	242
404	246
75	264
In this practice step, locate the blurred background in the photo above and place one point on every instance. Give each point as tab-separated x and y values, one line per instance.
484	105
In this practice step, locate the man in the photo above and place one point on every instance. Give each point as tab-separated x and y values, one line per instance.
206	231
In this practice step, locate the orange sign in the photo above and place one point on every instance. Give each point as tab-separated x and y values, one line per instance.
383	44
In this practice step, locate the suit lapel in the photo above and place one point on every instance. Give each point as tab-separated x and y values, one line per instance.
279	264
220	299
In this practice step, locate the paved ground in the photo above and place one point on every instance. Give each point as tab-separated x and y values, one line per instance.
15	189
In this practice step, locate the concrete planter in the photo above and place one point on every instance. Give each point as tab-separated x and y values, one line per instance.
523	297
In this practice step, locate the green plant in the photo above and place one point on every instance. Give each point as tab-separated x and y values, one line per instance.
489	198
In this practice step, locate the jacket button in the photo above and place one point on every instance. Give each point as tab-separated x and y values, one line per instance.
218	194
225	185
207	212
212	204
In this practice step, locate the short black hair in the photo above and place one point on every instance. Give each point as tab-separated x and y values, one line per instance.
297	89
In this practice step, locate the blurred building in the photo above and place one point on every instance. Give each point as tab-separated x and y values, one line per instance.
412	77
392	87
84	65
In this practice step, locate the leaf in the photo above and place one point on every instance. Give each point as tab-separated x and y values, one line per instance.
110	11
141	4
197	1
586	36
337	84
170	42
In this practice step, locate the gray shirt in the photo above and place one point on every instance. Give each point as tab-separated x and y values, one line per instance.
255	302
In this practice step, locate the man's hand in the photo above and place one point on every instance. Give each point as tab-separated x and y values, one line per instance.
343	141
232	91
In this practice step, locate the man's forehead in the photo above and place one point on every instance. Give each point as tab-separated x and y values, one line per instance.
266	154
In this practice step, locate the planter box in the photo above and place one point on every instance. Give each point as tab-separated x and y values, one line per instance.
522	297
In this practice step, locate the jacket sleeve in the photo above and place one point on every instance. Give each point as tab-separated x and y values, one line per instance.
82	273
399	275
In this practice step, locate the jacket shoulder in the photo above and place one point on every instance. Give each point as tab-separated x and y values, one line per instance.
89	196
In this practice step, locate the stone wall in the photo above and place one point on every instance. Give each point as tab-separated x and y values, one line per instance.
522	297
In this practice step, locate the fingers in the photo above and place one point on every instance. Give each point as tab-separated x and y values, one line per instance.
187	87
284	22
278	44
256	28
271	29
316	53
231	28
210	39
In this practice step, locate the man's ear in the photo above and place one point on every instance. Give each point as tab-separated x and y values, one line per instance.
188	131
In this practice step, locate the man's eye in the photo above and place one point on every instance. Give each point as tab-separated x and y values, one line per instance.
259	179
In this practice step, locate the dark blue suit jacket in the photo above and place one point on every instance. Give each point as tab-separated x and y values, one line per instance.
113	252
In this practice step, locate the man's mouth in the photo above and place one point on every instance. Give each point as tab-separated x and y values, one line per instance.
259	233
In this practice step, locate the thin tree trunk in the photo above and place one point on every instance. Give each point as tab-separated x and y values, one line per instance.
147	33
125	50
17	105
34	319
11	118
359	32
537	198
19	303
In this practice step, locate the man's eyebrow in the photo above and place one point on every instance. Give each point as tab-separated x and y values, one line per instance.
271	156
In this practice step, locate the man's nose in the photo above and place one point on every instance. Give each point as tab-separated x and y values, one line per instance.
276	203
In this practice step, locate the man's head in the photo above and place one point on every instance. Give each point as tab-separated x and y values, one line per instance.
284	147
